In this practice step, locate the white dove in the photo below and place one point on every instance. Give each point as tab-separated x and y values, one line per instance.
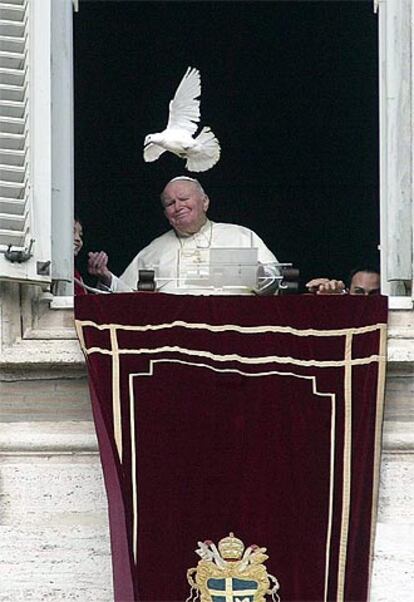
201	152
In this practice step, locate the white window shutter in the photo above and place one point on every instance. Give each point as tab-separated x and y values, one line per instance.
396	140
25	253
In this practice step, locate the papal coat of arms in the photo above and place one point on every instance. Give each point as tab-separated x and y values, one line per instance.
230	573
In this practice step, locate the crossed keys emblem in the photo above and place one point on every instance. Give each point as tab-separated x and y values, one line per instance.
230	573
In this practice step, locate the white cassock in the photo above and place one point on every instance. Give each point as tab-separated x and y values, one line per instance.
170	255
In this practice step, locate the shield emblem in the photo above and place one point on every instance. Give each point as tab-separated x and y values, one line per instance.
232	589
225	574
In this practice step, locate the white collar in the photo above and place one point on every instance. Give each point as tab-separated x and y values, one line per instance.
204	231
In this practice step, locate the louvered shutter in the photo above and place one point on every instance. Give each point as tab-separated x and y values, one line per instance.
20	234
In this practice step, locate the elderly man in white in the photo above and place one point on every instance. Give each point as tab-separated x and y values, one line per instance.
185	206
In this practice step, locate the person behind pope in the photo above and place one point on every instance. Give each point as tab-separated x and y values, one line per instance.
185	206
364	280
78	287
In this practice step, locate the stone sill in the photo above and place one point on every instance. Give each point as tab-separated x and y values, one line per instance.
398	437
28	359
31	438
400	351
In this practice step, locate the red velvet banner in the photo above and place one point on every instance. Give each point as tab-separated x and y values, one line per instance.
260	416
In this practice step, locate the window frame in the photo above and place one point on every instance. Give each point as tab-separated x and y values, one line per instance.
395	44
52	162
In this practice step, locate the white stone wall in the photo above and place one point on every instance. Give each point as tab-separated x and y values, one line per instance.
393	574
54	540
393	577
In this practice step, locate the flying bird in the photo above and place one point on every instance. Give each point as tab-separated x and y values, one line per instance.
201	152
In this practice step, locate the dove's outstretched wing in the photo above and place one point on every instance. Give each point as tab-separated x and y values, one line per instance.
152	152
184	108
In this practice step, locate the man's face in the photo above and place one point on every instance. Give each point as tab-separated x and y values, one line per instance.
185	206
365	283
77	238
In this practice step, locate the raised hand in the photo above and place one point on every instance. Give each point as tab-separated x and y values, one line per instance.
324	286
98	266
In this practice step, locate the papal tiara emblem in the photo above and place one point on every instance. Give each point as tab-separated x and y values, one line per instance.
230	572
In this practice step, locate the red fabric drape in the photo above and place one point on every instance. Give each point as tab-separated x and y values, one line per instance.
78	289
260	416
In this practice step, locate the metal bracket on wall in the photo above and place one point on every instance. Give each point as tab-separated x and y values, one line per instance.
43	268
19	255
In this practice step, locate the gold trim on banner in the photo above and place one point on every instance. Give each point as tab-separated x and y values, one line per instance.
79	332
331	500
116	396
243	359
133	468
377	444
346	472
236	328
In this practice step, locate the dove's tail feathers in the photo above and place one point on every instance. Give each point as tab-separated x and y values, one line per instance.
205	153
152	152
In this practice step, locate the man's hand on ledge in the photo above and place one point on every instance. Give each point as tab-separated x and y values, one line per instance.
98	266
324	286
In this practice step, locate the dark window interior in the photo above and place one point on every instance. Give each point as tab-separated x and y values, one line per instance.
289	88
